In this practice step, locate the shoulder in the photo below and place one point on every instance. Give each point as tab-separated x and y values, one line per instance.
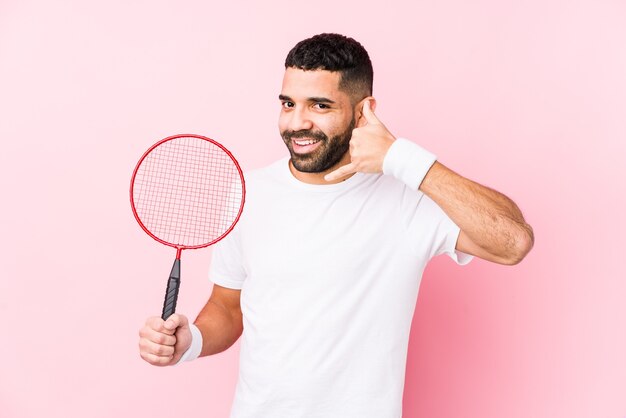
269	172
389	187
262	182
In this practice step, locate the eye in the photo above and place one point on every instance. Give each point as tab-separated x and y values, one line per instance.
322	106
287	104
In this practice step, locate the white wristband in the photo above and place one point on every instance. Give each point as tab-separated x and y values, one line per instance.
408	162
195	348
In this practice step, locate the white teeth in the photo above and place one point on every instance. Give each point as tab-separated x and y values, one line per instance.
308	142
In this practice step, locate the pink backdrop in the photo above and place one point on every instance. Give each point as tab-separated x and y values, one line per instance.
528	98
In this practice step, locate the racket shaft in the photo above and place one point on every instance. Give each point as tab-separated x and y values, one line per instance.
171	294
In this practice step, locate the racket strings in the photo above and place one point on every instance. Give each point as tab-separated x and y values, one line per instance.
187	191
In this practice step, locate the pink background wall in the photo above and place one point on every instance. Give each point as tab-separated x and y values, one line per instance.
528	98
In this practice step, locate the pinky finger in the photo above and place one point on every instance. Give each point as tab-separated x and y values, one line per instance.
341	171
156	360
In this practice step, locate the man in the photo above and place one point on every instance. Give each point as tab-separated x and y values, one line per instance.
323	269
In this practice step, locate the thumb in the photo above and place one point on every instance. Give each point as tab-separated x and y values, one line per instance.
175	321
369	115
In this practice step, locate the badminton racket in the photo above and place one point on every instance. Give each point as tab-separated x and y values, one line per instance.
187	192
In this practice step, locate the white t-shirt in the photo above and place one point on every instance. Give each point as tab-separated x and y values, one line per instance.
329	277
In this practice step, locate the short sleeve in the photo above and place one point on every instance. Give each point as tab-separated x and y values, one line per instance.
227	266
434	224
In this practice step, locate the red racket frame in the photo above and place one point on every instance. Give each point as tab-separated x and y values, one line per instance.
179	248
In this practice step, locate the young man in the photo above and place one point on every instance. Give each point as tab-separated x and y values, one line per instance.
321	273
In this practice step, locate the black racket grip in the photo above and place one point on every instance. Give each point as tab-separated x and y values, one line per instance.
171	294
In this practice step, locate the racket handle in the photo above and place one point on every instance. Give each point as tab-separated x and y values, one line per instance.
171	294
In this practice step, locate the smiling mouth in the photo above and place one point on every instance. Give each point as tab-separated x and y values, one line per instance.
304	146
303	142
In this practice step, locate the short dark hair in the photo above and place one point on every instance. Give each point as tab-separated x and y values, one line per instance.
334	52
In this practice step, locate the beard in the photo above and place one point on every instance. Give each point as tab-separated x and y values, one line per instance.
326	155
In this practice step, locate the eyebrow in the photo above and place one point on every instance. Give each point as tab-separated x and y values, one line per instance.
309	99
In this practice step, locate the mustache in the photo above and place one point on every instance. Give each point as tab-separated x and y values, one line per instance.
305	133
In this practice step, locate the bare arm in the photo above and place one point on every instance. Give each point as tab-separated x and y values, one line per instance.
220	321
492	226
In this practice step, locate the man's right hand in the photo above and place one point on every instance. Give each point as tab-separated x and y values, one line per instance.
162	343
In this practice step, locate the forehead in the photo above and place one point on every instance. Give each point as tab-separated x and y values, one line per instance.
299	84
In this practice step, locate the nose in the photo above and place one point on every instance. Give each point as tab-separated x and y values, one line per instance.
299	120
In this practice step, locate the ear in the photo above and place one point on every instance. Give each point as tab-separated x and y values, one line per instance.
360	119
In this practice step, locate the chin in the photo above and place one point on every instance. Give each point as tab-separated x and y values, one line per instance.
305	168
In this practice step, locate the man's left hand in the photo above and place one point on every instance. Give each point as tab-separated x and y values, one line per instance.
368	147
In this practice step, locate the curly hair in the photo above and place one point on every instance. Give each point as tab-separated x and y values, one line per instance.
334	52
